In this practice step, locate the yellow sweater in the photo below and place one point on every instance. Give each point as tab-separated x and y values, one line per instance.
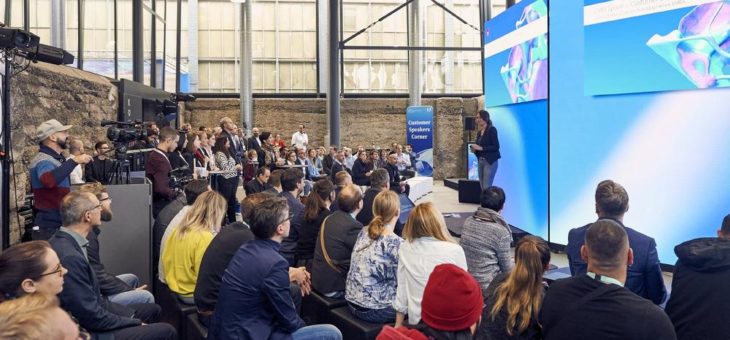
181	260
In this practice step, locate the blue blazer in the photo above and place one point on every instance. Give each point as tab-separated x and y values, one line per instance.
644	277
254	300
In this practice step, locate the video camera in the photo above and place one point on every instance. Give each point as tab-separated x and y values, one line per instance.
124	132
180	177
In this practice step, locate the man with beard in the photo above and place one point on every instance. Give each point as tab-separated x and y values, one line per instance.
81	297
123	289
157	169
49	177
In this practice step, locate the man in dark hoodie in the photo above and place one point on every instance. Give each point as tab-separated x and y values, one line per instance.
699	306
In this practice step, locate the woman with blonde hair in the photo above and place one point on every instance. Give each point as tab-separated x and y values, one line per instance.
371	281
427	245
185	247
514	298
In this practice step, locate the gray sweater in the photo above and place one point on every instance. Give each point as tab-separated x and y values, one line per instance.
486	240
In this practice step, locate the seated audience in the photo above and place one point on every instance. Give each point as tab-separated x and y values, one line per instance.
513	298
81	212
101	168
259	183
486	239
379	181
275	182
185	248
371	281
329	160
29	268
361	169
254	301
37	316
337	238
314	164
645	276
342	179
427	245
374	158
452	305
397	184
226	183
219	254
292	182
349	159
316	209
338	165
699	306
170	218
403	162
125	288
382	159
596	305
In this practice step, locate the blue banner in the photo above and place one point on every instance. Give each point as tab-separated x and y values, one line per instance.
419	133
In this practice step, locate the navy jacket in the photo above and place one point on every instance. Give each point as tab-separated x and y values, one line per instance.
81	296
337	167
490	144
254	300
289	244
644	277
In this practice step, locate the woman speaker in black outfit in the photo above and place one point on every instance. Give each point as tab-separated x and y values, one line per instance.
486	149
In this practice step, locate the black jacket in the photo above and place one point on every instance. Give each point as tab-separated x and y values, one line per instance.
253	186
359	170
99	170
394	177
236	146
583	308
327	162
289	244
215	261
698	306
340	235
337	167
81	296
490	143
308	233
108	284
365	216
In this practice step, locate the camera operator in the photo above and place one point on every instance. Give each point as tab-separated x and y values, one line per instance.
157	169
49	176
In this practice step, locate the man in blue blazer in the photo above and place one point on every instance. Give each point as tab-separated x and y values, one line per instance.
81	297
644	277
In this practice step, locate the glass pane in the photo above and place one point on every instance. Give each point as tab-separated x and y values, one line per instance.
99	37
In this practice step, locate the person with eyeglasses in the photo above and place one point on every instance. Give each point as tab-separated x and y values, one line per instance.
124	289
37	316
28	268
81	295
254	301
102	168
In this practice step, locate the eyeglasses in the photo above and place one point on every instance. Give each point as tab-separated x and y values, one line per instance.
108	198
58	270
98	206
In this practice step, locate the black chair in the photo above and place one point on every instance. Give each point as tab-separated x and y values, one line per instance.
194	329
351	327
315	307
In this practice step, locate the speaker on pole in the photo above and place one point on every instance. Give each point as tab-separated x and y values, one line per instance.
470	123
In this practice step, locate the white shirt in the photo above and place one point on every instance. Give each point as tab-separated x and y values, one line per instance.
170	228
416	261
300	139
403	161
77	175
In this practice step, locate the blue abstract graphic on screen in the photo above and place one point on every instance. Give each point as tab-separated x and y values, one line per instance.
649	46
668	149
516	54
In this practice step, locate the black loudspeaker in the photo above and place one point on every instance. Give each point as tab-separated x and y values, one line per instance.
469	191
470	123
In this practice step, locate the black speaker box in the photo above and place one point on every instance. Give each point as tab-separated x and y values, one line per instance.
469	191
470	123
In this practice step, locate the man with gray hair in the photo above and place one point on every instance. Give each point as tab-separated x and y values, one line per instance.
596	305
81	297
379	181
645	276
49	176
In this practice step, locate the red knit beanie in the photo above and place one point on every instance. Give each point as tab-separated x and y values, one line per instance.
452	299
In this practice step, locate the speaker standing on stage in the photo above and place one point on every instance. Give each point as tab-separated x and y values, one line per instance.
486	149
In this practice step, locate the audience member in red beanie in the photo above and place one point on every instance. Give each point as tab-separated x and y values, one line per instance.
451	307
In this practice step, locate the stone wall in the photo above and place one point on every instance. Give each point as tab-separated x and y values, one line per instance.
366	122
67	94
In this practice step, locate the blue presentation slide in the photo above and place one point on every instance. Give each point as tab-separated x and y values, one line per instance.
650	46
516	54
669	149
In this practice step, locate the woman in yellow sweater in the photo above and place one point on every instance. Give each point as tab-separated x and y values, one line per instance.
185	248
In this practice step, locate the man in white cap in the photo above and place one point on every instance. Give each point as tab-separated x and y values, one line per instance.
49	176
